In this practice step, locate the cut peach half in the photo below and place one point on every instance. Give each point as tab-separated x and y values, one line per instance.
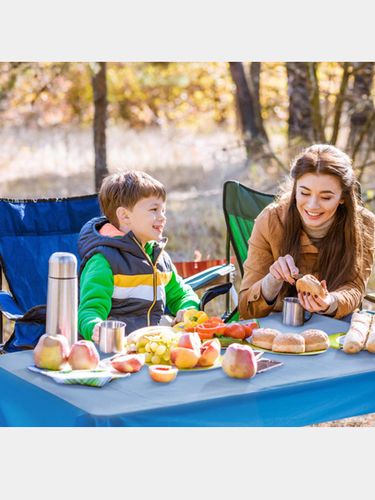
162	373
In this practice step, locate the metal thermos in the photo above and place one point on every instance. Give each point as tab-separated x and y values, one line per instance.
62	296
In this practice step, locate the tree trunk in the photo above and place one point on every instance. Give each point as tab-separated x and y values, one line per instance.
300	122
362	105
99	84
318	129
254	86
245	106
340	101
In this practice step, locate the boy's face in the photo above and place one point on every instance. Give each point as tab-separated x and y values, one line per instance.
146	219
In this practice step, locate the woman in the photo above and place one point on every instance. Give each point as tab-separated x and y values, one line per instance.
319	228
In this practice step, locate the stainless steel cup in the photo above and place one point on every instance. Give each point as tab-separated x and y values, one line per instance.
293	312
111	336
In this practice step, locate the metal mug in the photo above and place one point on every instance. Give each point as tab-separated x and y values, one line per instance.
111	336
294	313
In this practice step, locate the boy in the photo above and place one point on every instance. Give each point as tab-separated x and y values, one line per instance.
125	272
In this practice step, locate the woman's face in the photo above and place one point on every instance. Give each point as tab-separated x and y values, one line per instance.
317	198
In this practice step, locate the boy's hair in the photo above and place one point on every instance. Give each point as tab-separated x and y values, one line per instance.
125	189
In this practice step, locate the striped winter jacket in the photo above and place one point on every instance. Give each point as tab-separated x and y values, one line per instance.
138	296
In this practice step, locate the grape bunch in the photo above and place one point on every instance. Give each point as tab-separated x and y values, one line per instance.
157	348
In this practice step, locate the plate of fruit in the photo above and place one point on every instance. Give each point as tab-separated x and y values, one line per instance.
165	346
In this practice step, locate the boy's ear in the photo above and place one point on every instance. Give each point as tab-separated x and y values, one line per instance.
122	215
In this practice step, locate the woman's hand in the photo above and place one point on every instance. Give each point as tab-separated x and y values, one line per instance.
284	268
314	303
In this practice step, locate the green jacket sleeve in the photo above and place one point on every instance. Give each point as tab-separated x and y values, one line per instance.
179	295
96	289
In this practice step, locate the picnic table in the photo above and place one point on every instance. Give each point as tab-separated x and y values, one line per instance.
303	391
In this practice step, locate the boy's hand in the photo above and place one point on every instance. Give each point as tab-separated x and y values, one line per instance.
95	334
179	316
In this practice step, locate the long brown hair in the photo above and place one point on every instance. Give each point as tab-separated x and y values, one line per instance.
340	254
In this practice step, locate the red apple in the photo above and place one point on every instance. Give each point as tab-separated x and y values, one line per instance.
162	373
189	340
83	355
183	357
51	352
128	363
210	351
239	361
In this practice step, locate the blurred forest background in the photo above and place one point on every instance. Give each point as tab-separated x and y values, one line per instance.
63	125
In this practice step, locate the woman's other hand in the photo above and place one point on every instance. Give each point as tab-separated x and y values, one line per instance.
314	303
284	268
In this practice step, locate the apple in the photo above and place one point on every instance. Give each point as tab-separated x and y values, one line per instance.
183	357
128	363
162	373
83	355
210	351
189	340
239	361
51	352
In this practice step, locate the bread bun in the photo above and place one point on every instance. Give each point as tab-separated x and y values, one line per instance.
315	340
289	342
264	337
310	284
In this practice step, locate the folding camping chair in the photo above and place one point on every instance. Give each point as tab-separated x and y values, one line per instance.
30	231
241	205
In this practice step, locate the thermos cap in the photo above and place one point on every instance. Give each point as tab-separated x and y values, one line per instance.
62	265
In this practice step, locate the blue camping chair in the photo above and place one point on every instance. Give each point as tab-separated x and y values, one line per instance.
30	231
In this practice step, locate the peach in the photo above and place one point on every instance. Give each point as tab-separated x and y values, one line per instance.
210	351
189	340
162	373
239	361
185	358
83	355
128	363
51	352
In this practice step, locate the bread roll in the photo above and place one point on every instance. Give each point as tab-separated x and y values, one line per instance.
356	337
289	342
370	343
310	284
315	340
264	337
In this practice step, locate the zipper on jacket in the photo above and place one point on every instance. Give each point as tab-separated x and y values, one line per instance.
154	278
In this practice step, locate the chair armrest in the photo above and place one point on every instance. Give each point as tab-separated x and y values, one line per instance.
12	311
370	297
9	307
209	276
214	292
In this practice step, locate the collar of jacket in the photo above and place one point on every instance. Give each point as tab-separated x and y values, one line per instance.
90	238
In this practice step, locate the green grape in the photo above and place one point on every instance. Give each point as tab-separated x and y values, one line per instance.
141	349
155	359
153	346
161	349
142	342
148	357
148	347
166	356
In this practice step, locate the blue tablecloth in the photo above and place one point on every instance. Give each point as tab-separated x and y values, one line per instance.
305	390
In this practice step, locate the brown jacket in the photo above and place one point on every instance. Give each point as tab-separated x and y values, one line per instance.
264	249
